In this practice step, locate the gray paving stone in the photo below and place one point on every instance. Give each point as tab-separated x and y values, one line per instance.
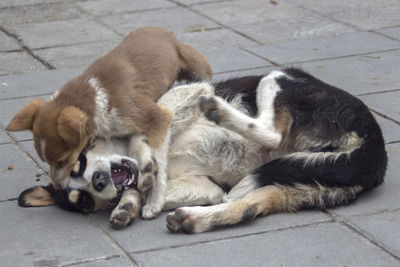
30	149
382	227
214	39
20	177
391	130
385	197
192	2
359	74
392	32
385	103
8	43
241	73
339	5
319	245
109	262
3	139
76	55
297	28
175	19
48	236
39	13
325	47
367	15
38	83
18	62
249	11
148	235
104	7
15	3
232	59
66	32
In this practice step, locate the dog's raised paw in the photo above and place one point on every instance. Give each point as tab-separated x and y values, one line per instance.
209	106
123	215
148	175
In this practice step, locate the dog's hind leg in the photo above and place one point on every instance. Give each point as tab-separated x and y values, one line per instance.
261	129
190	191
262	201
127	209
198	219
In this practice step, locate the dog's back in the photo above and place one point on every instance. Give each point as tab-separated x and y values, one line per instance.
335	139
332	148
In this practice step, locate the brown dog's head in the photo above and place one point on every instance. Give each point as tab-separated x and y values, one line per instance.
59	134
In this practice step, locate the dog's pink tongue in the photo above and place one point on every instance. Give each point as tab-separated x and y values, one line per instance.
119	177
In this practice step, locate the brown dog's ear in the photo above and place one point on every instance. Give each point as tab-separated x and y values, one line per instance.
38	196
71	125
24	119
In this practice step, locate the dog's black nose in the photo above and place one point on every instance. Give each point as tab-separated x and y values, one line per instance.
100	180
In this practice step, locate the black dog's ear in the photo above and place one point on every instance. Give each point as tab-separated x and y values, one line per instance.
37	196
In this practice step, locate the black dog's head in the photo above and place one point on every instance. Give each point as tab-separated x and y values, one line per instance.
95	183
68	199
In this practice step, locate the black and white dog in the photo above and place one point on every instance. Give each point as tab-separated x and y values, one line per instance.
244	147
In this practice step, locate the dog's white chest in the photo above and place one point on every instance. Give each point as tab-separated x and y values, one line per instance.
107	120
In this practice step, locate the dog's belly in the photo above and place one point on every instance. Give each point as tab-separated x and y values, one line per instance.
209	150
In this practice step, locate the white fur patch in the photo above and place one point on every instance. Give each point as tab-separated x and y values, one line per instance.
245	186
108	122
267	90
261	129
348	144
42	144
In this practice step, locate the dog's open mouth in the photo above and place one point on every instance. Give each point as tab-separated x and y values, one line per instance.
124	174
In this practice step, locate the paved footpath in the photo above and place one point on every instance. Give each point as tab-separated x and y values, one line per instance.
353	44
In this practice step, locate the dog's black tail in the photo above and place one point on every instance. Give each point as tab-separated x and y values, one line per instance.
324	179
317	180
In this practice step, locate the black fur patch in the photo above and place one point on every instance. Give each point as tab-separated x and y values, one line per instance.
84	204
326	114
245	86
250	213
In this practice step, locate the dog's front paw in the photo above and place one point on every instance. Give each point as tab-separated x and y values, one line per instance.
150	212
123	215
209	106
148	175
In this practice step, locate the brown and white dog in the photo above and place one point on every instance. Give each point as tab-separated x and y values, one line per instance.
281	142
115	96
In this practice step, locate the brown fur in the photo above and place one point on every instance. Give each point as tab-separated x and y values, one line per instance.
283	121
36	197
134	75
